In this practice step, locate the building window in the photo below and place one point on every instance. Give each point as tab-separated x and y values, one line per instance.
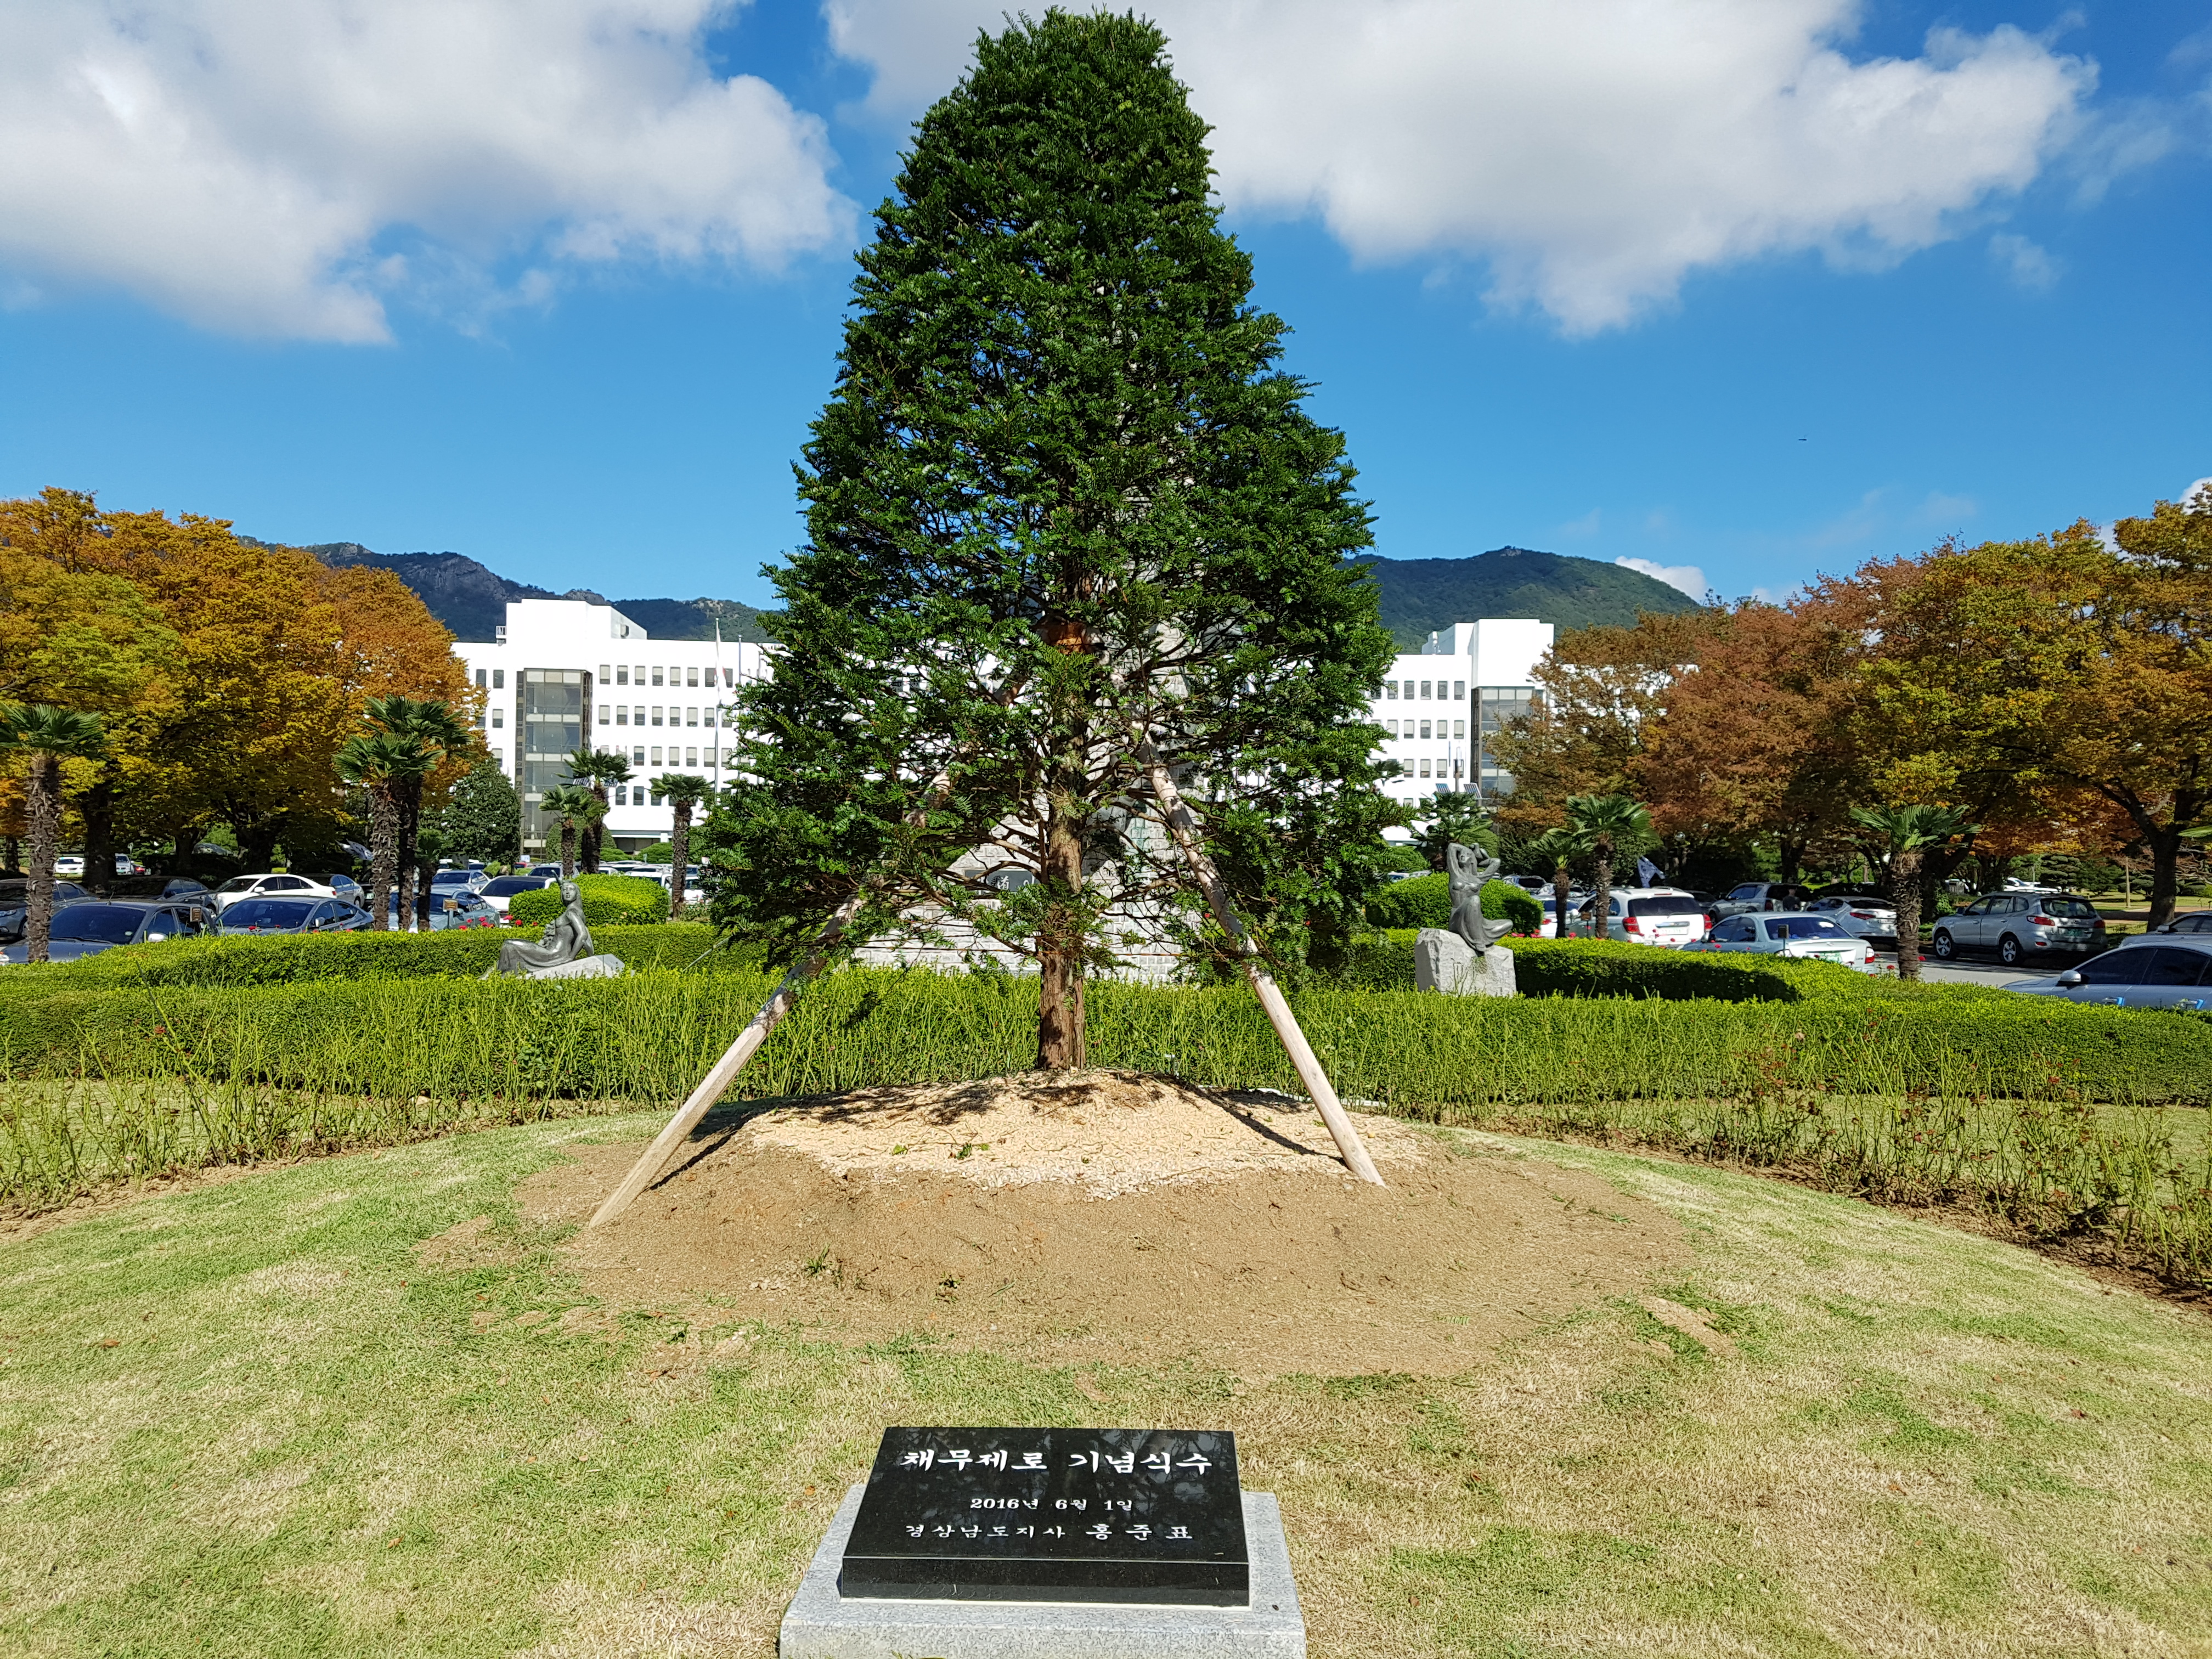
690	717
637	756
1459	690
480	679
622	794
656	798
499	717
1424	733
622	673
1424	767
605	673
706	717
606	715
1390	689
622	713
1390	728
691	677
656	674
656	756
729	676
691	757
656	714
1459	728
499	679
637	675
1424	691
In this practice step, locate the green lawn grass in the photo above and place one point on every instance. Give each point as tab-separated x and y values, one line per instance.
252	1418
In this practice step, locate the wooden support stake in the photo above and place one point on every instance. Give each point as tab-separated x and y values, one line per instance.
726	1068
1183	826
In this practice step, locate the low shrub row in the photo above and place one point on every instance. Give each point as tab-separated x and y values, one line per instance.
1425	902
609	901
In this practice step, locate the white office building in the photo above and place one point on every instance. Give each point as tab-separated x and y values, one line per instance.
1443	704
565	674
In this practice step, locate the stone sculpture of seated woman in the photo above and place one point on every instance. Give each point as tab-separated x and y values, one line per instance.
564	951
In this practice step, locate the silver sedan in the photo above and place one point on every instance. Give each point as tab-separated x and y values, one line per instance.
1797	933
2171	972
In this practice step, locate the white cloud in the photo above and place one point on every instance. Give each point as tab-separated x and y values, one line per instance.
1688	577
2030	266
1593	153
279	168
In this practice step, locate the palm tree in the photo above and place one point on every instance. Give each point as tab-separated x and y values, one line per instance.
371	763
685	791
575	805
1609	825
1911	833
47	734
435	733
1554	851
598	768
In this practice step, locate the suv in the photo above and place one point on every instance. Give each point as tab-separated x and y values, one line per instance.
1647	916
1760	896
2017	926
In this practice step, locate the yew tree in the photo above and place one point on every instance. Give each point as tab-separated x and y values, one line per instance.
1065	517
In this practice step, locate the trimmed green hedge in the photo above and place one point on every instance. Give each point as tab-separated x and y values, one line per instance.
1425	902
609	901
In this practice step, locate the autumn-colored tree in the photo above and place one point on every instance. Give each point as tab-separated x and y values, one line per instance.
2027	675
1600	690
1758	738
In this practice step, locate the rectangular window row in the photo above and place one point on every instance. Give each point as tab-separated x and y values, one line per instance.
675	757
1429	690
498	680
623	713
622	673
1445	768
1425	728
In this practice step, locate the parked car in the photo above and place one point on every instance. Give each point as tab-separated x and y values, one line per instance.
2196	921
446	882
500	889
292	915
468	911
1751	895
268	886
1868	915
344	886
552	870
1805	935
1645	915
69	864
96	925
2153	971
183	887
2017	926
15	913
1549	928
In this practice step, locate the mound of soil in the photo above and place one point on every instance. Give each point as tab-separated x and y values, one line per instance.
1111	1218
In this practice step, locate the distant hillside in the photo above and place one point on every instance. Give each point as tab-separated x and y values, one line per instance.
1421	596
471	599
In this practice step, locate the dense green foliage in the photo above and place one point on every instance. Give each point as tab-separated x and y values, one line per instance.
609	901
1063	503
482	817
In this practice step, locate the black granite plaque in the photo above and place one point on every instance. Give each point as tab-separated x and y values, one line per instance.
1052	1515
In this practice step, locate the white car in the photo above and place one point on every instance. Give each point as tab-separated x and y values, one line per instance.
1646	915
270	885
1862	917
1802	935
69	864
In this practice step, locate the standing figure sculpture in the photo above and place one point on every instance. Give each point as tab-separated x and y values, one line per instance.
1469	869
1465	959
564	951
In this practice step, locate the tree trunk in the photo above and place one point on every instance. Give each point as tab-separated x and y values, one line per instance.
595	831
13	849
409	802
1060	1045
97	807
1562	879
383	856
1905	889
679	838
257	846
425	869
2165	846
1601	899
1790	858
45	827
568	849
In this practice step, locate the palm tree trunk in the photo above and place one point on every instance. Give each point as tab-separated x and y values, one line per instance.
1602	900
568	849
410	812
46	828
97	808
1562	879
680	839
383	856
595	831
1904	891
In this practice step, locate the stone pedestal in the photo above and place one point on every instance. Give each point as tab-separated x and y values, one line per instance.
822	1625
599	967
1442	960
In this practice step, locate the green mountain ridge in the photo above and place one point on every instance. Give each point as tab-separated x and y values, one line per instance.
1416	597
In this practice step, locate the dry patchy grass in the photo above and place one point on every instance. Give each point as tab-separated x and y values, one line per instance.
260	1418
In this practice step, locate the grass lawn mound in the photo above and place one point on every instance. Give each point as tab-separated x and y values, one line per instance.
1109	1216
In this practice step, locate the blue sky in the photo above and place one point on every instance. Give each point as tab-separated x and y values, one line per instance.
1624	319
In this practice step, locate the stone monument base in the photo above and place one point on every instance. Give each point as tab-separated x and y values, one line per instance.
1442	960
820	1624
599	967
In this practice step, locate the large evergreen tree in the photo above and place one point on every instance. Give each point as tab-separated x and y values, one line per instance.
1065	513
